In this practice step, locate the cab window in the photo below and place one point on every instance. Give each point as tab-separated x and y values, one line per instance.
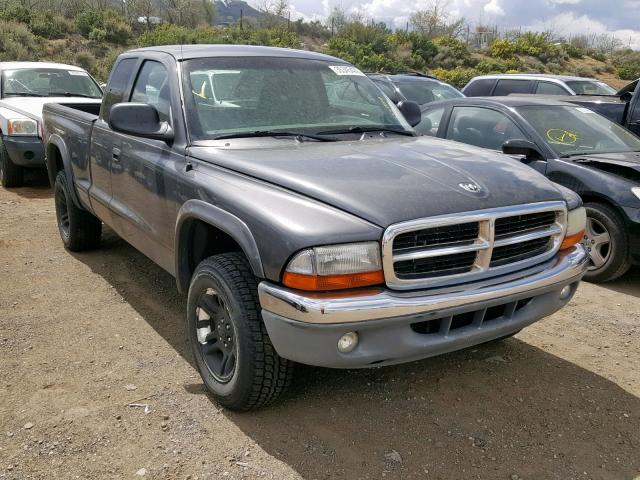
479	88
482	127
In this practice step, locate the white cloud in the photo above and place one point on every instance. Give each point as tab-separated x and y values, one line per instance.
564	2
569	23
494	8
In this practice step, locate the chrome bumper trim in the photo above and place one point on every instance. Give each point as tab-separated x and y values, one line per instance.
331	308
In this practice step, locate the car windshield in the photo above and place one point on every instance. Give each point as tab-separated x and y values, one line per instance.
48	82
426	91
590	87
578	131
245	96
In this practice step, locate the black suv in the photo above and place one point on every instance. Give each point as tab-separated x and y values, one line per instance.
415	87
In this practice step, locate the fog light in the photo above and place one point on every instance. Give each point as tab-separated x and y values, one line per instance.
348	342
565	292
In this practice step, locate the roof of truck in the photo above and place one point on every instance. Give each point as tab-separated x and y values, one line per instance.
22	65
185	52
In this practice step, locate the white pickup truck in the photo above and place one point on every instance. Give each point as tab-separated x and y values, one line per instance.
24	89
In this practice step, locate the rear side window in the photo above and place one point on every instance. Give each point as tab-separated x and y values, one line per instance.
507	87
548	88
117	85
479	88
388	90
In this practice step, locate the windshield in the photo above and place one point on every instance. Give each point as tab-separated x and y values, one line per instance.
578	131
422	92
590	87
48	82
230	96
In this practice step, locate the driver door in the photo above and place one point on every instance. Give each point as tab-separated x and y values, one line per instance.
145	172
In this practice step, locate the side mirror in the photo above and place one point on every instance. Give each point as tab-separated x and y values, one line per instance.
140	120
522	147
411	111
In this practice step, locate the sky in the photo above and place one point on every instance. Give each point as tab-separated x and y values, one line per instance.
618	17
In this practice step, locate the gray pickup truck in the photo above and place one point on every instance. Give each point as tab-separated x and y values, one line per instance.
306	220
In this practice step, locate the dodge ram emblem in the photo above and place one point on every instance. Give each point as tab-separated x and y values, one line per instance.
470	187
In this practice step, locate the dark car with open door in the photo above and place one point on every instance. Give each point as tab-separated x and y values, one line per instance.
571	145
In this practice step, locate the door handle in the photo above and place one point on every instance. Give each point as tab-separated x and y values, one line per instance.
116	154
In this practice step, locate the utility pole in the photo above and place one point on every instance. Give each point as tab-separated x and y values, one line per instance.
240	19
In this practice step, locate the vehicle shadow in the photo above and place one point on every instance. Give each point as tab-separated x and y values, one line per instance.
36	185
500	410
628	284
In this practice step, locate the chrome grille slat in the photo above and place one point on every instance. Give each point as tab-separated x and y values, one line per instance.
505	240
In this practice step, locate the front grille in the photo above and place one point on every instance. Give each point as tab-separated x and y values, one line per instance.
445	235
519	251
438	266
523	223
461	248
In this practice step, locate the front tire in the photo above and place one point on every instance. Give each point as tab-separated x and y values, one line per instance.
607	243
80	230
230	344
11	175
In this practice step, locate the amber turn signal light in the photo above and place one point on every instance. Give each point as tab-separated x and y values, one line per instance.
332	282
571	240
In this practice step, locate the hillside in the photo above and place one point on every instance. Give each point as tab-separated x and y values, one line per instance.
93	38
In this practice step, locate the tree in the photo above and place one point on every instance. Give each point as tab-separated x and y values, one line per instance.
274	12
434	21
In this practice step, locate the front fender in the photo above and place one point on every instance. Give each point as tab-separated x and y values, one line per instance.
216	217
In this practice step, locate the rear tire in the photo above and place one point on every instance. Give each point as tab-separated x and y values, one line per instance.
607	243
11	175
79	229
231	347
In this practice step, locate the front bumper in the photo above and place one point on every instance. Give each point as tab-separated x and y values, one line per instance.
25	151
395	327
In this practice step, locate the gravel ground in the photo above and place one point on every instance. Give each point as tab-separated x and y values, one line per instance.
97	381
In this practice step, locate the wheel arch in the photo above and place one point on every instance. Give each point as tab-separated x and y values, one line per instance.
203	230
57	159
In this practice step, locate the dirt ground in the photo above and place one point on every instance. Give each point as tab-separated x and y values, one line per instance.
82	337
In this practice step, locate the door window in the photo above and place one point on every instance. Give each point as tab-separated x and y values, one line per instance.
507	87
482	127
152	87
548	88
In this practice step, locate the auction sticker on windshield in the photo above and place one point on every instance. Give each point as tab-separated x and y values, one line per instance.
562	136
346	70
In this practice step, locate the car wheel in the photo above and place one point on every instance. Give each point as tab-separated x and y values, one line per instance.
606	241
11	175
79	229
230	344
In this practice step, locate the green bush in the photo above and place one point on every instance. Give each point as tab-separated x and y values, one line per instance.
104	26
15	12
573	51
17	42
502	49
457	77
48	25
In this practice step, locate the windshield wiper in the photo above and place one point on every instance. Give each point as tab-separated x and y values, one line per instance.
23	94
70	94
361	129
273	133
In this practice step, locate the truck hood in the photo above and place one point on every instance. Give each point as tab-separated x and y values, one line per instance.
31	107
385	181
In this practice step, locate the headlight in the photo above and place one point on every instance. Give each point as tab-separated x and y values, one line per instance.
23	126
636	192
335	267
576	224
